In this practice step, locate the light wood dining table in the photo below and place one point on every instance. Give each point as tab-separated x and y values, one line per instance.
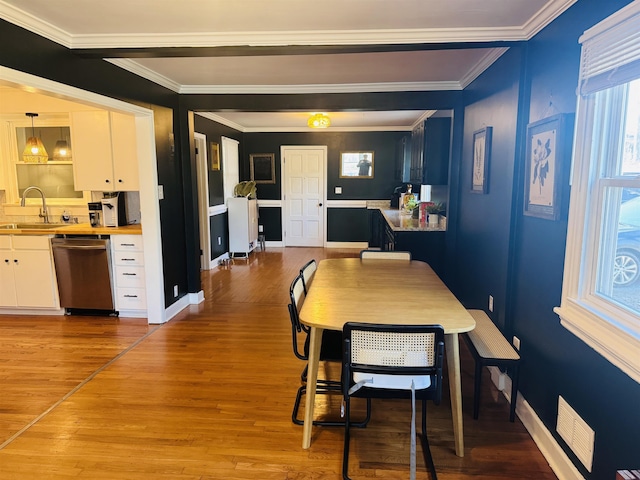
386	292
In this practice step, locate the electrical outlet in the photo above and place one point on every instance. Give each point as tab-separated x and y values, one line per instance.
260	228
491	303
338	190
516	342
175	290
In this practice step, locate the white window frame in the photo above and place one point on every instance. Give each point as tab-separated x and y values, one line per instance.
611	52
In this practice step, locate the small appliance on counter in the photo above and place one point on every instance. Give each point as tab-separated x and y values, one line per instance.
114	210
95	214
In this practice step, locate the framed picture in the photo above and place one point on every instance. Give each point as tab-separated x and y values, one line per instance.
215	156
546	152
480	163
263	167
356	164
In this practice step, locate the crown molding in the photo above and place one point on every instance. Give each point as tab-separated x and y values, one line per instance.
32	23
144	72
485	62
545	16
222	120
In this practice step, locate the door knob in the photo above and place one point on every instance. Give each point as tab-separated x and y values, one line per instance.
319	204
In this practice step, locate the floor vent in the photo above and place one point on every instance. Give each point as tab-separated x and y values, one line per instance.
576	433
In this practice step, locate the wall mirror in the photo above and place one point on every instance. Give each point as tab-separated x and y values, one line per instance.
356	165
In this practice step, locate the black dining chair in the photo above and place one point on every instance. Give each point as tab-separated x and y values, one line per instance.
393	361
307	272
331	351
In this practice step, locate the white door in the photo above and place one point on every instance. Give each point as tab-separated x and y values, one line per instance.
304	195
203	200
230	166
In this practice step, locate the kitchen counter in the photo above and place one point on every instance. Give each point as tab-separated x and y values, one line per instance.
400	222
71	229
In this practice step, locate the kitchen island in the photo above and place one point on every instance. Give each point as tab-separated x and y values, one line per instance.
393	230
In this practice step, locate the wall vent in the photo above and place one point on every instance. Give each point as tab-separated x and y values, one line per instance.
576	433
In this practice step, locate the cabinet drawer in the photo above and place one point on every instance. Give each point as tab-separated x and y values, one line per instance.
129	258
130	277
5	241
131	299
125	243
31	242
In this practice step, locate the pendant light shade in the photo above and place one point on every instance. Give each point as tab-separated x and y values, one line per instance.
62	151
34	151
319	120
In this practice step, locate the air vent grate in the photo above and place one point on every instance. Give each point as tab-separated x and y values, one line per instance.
576	433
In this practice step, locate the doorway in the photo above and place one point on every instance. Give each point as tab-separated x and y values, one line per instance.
203	200
304	171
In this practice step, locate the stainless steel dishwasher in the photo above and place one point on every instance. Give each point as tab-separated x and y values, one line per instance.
84	273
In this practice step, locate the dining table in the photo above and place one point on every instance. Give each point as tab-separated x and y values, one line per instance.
382	291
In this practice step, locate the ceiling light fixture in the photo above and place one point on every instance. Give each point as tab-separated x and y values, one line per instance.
62	151
34	151
319	120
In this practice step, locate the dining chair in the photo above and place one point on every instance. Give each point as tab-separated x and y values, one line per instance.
307	272
393	361
330	350
385	255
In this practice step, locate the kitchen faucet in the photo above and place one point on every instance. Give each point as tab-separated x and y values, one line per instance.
43	213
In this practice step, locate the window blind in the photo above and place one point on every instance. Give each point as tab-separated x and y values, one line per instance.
611	51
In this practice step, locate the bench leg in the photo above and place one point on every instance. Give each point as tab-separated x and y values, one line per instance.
476	389
514	392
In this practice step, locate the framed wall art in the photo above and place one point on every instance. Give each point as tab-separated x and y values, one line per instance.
215	156
356	164
546	152
481	157
262	167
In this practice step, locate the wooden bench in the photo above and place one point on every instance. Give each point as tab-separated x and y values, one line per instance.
490	348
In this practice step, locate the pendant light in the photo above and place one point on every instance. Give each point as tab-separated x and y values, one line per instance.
62	151
34	151
319	120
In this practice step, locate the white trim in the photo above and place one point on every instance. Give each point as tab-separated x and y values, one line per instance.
144	72
269	203
196	298
274	243
346	203
611	21
149	202
217	210
484	63
34	24
358	245
221	120
175	308
547	14
202	182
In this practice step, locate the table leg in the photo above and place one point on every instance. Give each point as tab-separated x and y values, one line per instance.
315	341
455	389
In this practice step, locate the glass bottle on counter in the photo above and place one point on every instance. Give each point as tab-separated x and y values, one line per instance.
409	200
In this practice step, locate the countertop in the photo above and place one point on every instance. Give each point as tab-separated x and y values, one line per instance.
399	222
73	229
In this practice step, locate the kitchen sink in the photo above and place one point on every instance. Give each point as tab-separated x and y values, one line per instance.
30	226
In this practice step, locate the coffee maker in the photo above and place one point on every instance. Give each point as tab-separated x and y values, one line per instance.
95	214
114	210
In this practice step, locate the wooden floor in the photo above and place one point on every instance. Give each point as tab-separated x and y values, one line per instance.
209	395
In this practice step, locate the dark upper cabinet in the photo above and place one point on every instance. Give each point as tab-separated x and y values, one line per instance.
403	159
430	147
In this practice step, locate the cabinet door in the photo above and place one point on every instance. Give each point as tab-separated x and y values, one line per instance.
92	153
7	284
34	279
436	151
125	153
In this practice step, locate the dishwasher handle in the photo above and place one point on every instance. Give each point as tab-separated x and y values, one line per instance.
81	247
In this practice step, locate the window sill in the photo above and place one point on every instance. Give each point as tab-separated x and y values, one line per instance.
617	345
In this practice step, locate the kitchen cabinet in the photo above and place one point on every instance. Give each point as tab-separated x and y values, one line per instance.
243	224
128	275
27	275
430	147
105	156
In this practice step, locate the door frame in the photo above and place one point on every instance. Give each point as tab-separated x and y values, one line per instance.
202	171
283	182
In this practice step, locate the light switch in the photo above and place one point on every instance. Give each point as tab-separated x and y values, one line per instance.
160	192
338	190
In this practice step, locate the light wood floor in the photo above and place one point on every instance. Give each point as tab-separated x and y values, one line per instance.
209	395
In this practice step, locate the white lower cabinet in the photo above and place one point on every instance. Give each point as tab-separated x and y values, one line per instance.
128	275
243	225
27	275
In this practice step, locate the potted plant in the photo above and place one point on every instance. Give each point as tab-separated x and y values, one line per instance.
434	209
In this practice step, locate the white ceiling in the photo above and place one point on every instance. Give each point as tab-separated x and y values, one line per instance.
229	38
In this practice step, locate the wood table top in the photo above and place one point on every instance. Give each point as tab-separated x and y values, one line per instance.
381	291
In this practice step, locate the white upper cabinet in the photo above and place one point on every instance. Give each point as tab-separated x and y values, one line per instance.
104	151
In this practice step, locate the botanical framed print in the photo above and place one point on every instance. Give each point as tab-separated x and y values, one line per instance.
215	156
544	159
480	163
262	167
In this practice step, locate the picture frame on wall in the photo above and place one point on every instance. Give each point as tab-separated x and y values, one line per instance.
545	156
262	167
215	156
480	162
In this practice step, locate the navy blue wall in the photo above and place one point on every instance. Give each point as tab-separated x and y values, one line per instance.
520	259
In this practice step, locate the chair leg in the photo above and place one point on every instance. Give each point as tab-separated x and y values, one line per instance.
476	389
345	450
323	390
514	392
426	451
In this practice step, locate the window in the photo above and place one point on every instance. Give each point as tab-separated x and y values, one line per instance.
601	292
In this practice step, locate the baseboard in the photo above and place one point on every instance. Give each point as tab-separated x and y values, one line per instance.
196	298
177	307
544	440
